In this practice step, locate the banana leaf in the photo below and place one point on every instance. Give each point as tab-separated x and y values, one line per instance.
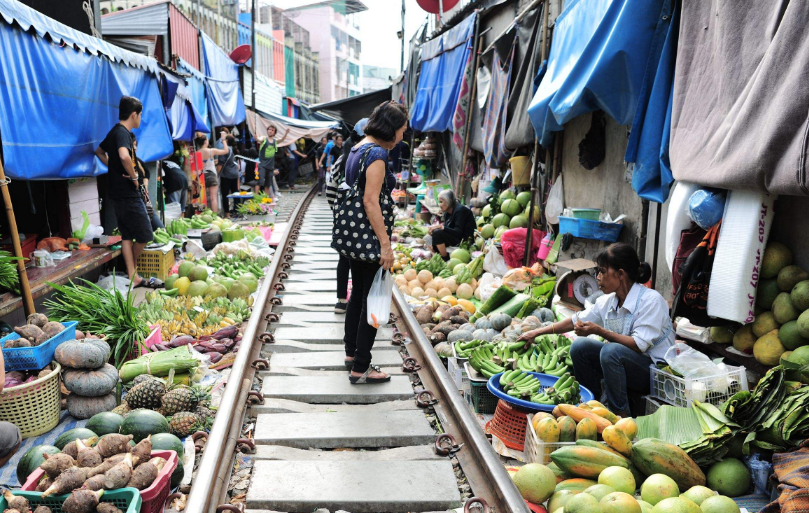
717	432
670	424
750	409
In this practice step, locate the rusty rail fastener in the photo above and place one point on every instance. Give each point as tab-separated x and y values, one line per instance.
279	287
292	242
410	365
288	257
283	276
237	508
276	301
246	445
425	398
271	317
397	339
445	445
199	438
260	364
254	397
285	265
267	338
484	506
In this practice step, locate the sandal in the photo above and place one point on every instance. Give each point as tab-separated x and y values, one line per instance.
150	283
366	379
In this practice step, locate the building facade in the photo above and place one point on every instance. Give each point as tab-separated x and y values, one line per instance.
375	78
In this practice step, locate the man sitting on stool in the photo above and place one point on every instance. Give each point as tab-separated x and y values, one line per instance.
458	224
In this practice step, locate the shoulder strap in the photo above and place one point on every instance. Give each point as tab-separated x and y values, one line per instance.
363	164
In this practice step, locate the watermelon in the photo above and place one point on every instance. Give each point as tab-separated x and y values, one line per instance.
105	422
71	436
32	459
141	423
168	442
177	475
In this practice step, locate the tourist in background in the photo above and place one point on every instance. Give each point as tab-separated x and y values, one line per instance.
228	174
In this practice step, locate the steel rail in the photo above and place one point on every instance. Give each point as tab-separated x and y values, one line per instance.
210	469
472	435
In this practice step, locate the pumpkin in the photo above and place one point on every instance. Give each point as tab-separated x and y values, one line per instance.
467	327
91	383
459	335
544	314
82	354
443	349
482	335
492	333
483	324
499	321
85	407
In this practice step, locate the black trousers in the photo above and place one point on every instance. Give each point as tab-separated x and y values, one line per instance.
227	186
445	238
343	268
359	335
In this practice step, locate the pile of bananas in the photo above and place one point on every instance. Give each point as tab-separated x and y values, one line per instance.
184	315
526	386
161	236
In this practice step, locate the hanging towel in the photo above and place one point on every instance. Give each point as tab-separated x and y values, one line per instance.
494	120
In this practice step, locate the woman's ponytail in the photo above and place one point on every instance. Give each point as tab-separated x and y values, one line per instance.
622	256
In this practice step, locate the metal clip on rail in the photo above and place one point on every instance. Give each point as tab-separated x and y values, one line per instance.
483	505
410	365
246	446
260	364
233	508
445	445
425	399
267	338
254	397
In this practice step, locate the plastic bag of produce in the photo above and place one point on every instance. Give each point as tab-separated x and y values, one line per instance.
494	262
117	280
487	285
379	299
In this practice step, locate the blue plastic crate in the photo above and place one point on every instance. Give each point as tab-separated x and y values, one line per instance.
587	229
32	358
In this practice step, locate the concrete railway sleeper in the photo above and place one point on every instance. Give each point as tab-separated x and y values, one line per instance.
295	436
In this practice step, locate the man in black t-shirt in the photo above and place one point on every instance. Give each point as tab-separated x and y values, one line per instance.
124	194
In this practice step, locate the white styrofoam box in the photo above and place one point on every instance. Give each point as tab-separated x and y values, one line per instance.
677	219
83	196
742	238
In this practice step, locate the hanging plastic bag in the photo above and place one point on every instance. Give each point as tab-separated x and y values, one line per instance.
556	202
487	285
494	262
379	299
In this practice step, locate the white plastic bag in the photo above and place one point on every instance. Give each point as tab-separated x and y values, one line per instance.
118	280
379	299
494	262
94	231
487	285
556	202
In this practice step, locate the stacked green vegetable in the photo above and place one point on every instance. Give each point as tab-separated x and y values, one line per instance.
470	271
100	311
161	236
233	268
178	227
526	386
9	278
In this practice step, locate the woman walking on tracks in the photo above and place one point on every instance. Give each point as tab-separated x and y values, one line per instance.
362	229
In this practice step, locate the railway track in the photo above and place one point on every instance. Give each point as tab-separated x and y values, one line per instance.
312	439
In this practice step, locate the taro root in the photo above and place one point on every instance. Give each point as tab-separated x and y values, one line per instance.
107	507
55	464
53	328
28	332
457	319
41	339
21	504
112	444
440	325
9	510
67	481
82	501
144	475
72	449
94	483
20	342
424	314
437	337
37	319
79	335
44	372
44	483
143	450
426	331
108	464
43	509
88	456
158	462
119	475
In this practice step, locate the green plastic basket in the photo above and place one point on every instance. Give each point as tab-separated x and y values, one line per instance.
586	213
126	499
481	399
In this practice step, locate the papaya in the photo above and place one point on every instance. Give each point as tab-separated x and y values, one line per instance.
578	413
567	429
560	474
539	416
557	412
586	429
585	406
639	477
653	456
586	462
628	426
618	440
547	430
605	413
576	484
595	404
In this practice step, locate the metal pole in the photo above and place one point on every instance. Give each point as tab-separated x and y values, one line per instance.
472	103
254	61
25	287
532	204
441	12
401	65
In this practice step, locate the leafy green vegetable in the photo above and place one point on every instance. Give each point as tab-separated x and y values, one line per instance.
9	278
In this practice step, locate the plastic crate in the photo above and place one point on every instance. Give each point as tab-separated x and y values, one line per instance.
33	407
155	263
33	358
27	246
538	451
152	498
479	397
126	499
456	372
683	391
509	425
587	229
651	405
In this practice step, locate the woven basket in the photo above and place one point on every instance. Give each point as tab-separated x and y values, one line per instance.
33	407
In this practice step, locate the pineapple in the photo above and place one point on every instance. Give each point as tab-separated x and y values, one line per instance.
181	398
184	423
143	378
122	409
146	394
204	412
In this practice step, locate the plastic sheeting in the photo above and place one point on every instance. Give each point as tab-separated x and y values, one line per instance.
442	70
354	108
196	90
222	80
59	104
290	129
598	60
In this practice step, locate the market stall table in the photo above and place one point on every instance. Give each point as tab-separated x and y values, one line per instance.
81	262
240	198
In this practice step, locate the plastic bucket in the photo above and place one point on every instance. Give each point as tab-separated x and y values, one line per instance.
545	247
520	170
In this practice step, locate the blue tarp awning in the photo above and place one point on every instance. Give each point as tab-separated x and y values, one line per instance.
59	102
599	59
196	90
443	61
222	80
184	119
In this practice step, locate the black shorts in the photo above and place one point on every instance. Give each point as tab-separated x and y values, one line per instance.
445	238
133	220
265	177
